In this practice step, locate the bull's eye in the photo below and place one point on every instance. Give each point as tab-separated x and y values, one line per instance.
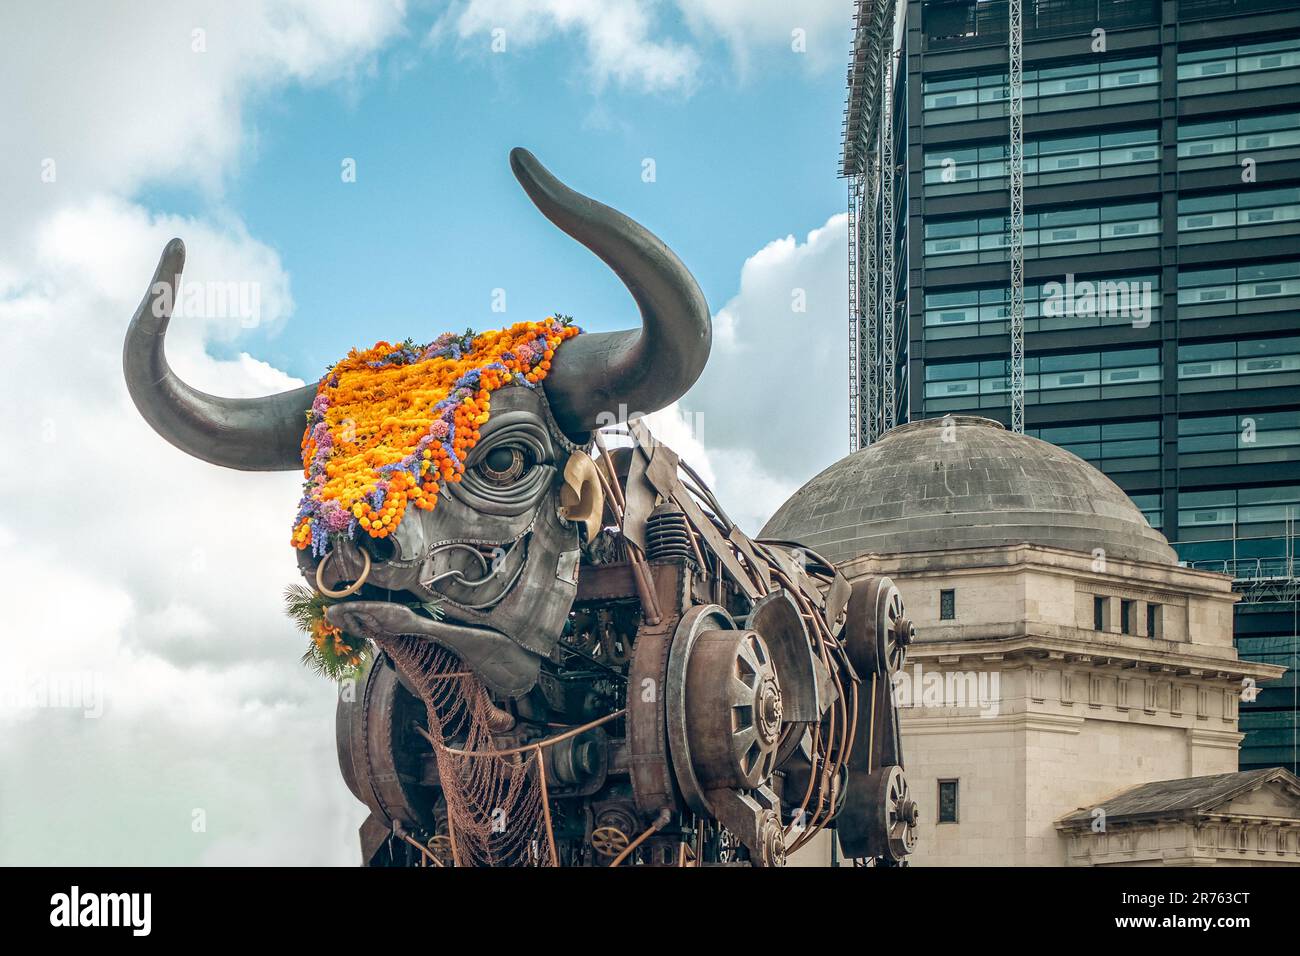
503	464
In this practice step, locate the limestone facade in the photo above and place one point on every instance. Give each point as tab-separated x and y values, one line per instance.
1034	712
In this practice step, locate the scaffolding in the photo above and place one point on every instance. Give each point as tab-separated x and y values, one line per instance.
869	166
1273	580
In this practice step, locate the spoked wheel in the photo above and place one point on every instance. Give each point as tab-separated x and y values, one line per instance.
894	631
898	815
609	841
879	630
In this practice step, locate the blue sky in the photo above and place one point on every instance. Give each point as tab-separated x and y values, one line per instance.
435	220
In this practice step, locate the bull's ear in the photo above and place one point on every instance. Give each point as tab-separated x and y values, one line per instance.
581	500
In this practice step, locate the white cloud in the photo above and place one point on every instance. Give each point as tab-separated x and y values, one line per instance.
120	94
771	405
616	33
149	579
819	30
625	42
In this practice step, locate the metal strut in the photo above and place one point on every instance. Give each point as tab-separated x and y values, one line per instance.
888	412
1015	107
855	393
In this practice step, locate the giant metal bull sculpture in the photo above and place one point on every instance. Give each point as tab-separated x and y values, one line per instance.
581	660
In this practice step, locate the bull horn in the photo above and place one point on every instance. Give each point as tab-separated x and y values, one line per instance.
251	434
643	369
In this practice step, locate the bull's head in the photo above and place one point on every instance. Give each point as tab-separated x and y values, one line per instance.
500	552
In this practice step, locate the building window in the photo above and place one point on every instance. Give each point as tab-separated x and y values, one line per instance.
1152	508
1055	232
947	605
947	801
1242	513
1217	143
1241	363
1100	300
1225	217
1244	290
982	96
1068	377
1112	447
1126	617
1218	70
1153	620
1238	439
1098	612
1101	156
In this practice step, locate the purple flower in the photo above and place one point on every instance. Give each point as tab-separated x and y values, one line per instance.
336	519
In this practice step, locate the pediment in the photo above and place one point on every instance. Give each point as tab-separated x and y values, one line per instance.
1273	799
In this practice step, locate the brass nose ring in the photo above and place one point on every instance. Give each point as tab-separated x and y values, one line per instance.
351	588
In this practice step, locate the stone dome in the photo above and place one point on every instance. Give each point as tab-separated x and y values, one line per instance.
924	487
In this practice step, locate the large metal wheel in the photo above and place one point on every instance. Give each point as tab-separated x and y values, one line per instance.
770	849
733	709
699	620
894	631
878	628
897	814
384	761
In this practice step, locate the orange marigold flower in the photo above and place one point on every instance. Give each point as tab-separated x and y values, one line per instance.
392	422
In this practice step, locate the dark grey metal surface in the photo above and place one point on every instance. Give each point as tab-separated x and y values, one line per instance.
915	491
642	369
374	737
251	434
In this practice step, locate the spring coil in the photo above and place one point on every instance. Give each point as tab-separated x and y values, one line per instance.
668	538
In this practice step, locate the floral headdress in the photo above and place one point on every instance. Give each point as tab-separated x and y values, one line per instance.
391	424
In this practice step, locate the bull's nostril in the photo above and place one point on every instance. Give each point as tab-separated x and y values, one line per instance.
381	549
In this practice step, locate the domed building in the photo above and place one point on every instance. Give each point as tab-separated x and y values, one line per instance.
962	482
1071	695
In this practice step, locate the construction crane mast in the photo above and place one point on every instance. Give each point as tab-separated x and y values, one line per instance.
1016	169
888	308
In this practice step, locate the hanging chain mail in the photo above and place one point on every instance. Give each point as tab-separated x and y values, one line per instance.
495	810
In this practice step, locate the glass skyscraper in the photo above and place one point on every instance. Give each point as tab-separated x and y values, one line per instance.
1160	229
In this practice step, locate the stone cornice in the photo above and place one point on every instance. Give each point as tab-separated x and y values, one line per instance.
1224	739
1192	818
1038	558
922	721
1164	658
